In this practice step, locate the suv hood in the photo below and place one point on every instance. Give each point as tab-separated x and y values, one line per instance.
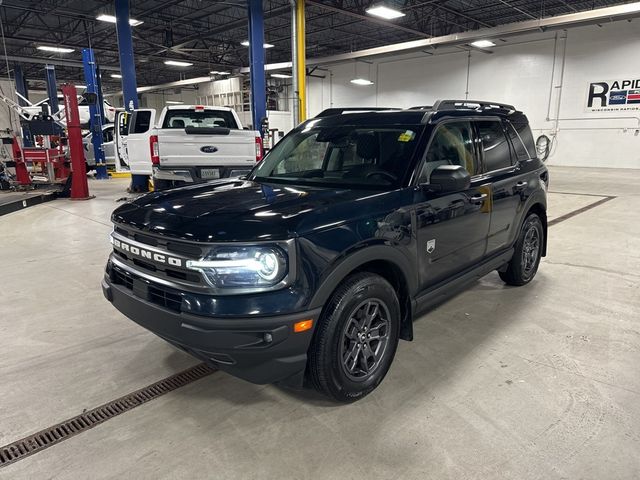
241	210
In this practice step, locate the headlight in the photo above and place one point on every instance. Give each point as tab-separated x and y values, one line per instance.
242	267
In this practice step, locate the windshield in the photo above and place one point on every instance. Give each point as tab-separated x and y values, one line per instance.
206	119
354	156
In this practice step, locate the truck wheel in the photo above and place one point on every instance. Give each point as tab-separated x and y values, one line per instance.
356	338
526	257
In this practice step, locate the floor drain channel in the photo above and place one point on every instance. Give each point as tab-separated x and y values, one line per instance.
50	436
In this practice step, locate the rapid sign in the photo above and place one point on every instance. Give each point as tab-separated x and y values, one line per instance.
614	95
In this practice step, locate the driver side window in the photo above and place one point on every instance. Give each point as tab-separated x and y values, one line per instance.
452	144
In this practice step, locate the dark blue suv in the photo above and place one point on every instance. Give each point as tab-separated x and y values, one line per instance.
310	269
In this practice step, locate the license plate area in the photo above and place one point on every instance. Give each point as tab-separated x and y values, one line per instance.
209	173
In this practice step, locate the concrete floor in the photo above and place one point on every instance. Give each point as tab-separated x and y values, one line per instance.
540	382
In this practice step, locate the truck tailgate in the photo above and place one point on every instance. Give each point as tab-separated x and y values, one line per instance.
177	148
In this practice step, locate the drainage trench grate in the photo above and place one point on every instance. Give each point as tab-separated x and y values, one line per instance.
50	436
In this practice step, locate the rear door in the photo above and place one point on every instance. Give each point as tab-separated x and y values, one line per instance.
503	174
451	228
138	150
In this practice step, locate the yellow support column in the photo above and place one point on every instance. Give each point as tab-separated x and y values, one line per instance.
301	67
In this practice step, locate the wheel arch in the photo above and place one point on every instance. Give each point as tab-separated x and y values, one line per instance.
384	261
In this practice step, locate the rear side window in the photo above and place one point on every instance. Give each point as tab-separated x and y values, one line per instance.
140	121
521	136
495	146
182	118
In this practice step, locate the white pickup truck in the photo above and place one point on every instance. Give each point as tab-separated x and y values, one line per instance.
190	143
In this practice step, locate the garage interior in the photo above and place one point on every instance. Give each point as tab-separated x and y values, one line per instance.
498	383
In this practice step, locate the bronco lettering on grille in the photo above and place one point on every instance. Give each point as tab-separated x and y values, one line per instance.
148	254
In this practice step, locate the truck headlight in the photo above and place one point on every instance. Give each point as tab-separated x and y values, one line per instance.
242	267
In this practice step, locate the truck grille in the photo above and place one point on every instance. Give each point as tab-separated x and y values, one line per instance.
180	248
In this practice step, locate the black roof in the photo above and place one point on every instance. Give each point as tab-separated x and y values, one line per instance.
412	116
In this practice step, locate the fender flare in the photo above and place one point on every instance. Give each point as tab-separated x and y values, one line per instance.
345	265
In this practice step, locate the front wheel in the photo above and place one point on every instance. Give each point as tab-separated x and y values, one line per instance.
356	338
528	252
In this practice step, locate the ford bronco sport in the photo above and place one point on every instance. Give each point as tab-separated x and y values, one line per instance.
310	269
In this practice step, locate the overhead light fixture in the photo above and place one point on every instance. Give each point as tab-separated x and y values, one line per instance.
361	81
483	44
111	19
173	102
47	48
280	75
81	86
116	75
177	63
216	72
265	45
385	12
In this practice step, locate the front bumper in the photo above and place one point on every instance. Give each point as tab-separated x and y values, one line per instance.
259	350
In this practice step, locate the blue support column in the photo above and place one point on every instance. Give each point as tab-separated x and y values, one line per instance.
103	119
21	85
256	58
21	88
52	89
139	183
95	113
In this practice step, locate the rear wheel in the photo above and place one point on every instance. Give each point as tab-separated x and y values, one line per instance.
528	252
356	338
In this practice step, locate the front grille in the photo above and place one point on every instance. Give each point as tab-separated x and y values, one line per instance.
165	246
170	245
165	299
144	289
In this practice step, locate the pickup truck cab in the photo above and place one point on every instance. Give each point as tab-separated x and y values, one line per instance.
313	266
190	144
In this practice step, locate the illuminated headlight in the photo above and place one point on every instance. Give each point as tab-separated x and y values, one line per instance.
242	267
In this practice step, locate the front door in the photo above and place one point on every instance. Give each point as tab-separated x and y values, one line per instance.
451	228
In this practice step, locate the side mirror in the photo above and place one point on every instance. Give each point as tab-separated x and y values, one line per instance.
448	178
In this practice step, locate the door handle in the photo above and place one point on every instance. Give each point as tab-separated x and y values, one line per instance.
478	199
521	186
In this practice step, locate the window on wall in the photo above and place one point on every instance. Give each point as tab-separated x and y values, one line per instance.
495	147
452	144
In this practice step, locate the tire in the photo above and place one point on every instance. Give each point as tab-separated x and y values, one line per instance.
343	348
528	252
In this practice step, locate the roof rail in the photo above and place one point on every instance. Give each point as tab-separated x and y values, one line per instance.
337	111
422	107
470	105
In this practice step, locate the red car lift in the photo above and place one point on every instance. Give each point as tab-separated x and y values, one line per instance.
79	185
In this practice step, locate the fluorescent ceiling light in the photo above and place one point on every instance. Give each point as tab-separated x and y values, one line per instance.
55	49
173	102
81	86
246	44
483	44
216	72
177	63
361	81
384	12
116	75
280	75
111	19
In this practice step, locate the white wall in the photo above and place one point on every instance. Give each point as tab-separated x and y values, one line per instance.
517	72
8	118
